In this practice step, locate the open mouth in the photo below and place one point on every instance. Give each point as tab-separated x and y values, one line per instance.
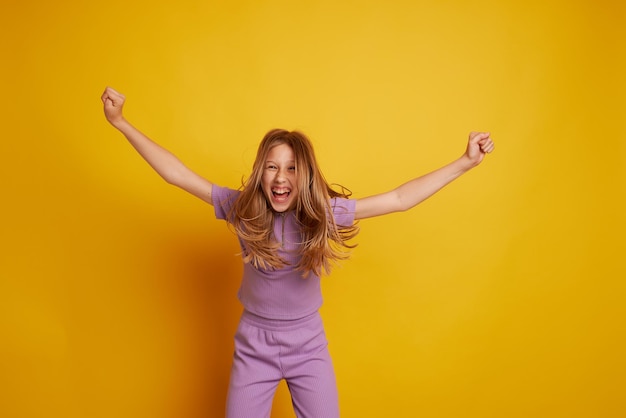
281	195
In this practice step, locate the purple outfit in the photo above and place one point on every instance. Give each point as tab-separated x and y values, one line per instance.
281	335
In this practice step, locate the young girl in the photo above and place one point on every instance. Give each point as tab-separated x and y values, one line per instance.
291	227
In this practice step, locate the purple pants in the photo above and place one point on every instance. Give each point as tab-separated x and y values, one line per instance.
267	351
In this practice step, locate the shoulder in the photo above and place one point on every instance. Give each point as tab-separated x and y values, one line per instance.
343	210
224	192
223	200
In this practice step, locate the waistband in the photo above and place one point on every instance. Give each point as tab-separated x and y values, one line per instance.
279	324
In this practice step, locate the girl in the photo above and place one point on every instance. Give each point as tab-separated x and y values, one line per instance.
291	227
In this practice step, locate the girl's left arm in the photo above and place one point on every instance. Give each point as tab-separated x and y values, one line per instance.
417	190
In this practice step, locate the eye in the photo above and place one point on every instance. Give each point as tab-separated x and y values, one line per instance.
292	168
270	167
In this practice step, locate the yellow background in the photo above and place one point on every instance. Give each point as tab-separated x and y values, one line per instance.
502	296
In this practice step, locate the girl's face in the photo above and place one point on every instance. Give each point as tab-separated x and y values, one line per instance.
279	181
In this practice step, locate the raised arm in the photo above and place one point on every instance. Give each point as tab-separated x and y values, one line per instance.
417	190
166	164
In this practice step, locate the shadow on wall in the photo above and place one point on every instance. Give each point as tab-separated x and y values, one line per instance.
203	281
205	276
151	328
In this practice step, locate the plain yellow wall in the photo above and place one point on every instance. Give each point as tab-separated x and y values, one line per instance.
502	296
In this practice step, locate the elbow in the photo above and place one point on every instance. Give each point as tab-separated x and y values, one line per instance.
408	203
402	208
172	177
401	204
169	180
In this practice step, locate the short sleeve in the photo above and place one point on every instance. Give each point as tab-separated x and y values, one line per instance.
223	200
344	211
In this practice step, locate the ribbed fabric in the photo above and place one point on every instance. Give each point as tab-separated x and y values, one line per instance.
267	351
283	293
281	335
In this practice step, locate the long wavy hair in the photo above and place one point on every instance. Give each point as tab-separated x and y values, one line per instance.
323	241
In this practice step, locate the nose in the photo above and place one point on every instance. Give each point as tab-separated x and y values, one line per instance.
280	175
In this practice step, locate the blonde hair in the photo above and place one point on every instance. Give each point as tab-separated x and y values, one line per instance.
323	241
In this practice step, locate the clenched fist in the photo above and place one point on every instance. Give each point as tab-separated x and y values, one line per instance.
113	105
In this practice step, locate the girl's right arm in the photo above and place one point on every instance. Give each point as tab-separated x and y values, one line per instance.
166	164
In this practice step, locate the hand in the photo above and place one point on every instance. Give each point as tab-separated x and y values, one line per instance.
113	104
479	144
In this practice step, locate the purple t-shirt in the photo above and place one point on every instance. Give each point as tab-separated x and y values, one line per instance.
281	293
